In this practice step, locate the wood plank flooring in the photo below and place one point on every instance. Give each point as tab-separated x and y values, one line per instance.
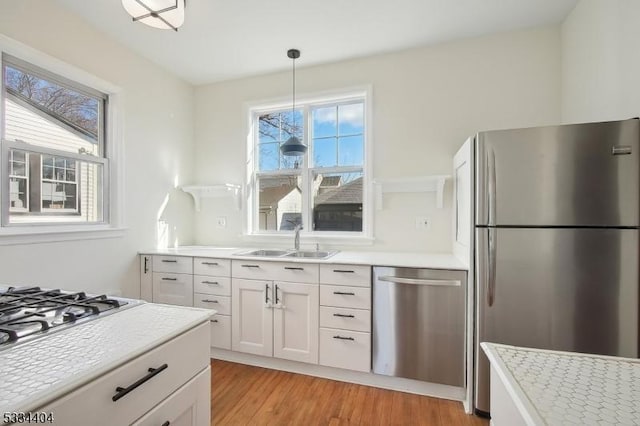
243	395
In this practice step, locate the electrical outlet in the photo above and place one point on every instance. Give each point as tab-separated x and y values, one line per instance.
423	222
221	221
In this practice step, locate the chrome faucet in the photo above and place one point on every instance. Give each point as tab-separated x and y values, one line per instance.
296	240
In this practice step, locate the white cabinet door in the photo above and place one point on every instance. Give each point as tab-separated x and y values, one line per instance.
295	321
252	317
188	406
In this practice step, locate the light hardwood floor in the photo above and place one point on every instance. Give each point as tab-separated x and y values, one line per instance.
243	395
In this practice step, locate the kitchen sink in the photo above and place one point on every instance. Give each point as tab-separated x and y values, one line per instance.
311	254
264	253
301	254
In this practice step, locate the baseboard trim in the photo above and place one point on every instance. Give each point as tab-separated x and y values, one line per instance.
367	379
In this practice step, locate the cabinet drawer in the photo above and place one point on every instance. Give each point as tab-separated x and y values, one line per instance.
345	297
173	289
221	332
189	405
345	349
353	275
214	267
174	264
346	319
222	304
212	285
175	363
307	273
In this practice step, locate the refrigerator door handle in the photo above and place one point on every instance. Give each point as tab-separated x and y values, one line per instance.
491	267
491	187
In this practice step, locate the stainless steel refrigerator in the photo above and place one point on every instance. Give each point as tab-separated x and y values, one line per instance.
556	240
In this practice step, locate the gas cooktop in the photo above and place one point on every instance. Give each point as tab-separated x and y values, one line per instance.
31	312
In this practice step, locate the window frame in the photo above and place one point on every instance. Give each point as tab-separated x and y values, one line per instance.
112	224
308	102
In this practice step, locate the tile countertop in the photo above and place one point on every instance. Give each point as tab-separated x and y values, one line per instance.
377	258
37	372
558	388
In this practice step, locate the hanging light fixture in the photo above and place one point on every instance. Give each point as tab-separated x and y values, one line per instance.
163	14
293	147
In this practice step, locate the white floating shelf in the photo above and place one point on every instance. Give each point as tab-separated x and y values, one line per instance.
212	191
433	183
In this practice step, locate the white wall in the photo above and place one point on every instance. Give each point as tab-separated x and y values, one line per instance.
601	61
158	149
426	102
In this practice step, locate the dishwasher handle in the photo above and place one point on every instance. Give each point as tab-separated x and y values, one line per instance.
421	281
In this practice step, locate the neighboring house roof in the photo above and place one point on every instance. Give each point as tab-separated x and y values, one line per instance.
349	193
48	114
270	197
330	181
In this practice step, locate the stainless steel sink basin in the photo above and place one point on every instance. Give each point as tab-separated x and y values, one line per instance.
264	253
311	254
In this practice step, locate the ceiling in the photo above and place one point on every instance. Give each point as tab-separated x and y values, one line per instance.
223	40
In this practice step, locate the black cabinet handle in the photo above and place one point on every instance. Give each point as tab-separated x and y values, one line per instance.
210	301
169	261
167	423
210	263
343	338
250	266
277	300
214	320
343	315
120	392
211	282
146	264
291	268
266	293
344	271
169	279
344	293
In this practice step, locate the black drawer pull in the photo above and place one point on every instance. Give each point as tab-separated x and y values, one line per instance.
169	279
214	320
120	392
210	263
210	301
291	268
344	271
211	282
167	423
169	261
344	315
344	293
146	264
250	266
343	338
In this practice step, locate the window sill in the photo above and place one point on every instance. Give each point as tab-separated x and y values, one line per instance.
333	239
41	234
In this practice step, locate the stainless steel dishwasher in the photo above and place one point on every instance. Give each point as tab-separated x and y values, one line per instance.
419	324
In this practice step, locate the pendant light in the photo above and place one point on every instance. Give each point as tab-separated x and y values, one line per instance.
163	14
293	147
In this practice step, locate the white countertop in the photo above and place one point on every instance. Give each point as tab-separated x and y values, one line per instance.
374	258
558	388
37	372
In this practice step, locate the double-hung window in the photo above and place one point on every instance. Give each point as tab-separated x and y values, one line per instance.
324	190
54	164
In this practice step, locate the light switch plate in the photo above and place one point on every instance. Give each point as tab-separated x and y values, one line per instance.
221	221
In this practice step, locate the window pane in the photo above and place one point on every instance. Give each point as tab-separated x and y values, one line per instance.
337	203
269	154
44	113
17	194
351	118
269	128
324	152
324	122
291	124
350	151
72	192
280	202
